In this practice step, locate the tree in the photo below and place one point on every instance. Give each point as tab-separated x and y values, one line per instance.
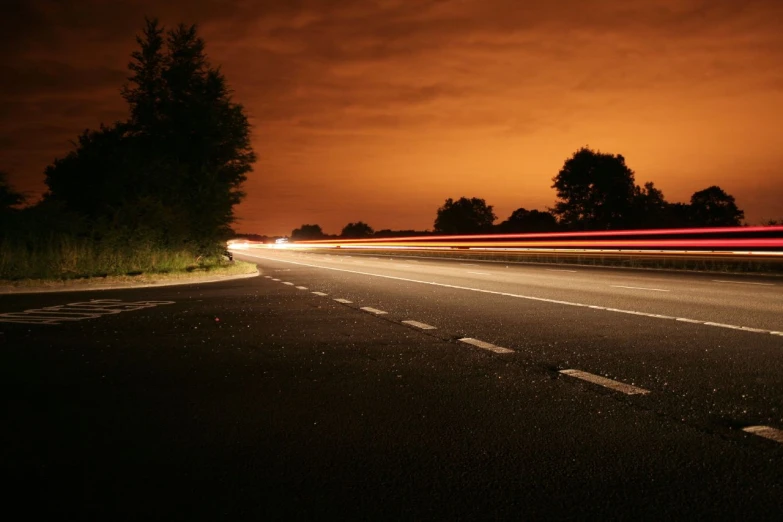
178	163
523	220
712	207
464	216
358	230
649	207
307	232
595	191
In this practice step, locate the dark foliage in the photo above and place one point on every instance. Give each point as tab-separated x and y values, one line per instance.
358	230
307	232
523	220
595	191
464	216
171	173
712	207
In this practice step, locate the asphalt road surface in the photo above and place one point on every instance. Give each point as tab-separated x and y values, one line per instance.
359	388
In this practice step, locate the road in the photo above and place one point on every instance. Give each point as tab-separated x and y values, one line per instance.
432	390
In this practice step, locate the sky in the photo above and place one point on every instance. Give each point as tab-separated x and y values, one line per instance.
380	110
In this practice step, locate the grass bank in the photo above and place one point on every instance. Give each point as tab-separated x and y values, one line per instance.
63	261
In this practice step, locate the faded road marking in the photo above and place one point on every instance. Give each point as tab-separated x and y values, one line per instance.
301	288
606	383
417	324
766	431
77	311
558	270
320	293
287	283
373	310
479	273
640	288
484	345
742	282
344	301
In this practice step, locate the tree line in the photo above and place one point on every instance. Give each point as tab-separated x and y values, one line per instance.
595	191
169	175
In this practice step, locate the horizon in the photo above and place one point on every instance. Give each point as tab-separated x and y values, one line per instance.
379	113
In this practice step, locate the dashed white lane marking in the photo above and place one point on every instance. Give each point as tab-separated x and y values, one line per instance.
373	310
479	273
484	345
766	431
559	270
606	383
320	293
268	277
287	283
417	324
507	294
275	279
344	301
301	288
640	288
742	282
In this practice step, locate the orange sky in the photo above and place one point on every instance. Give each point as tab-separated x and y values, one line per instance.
380	110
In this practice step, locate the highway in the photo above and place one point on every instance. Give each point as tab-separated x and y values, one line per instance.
371	387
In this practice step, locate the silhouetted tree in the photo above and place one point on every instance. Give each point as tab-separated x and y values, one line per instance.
358	230
307	232
178	163
596	191
9	197
712	207
648	207
464	216
523	220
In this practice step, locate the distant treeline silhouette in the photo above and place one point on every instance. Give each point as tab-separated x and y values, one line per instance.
164	180
595	191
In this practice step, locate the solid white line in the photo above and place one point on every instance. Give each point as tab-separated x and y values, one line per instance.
606	383
766	431
742	283
287	283
301	288
507	294
559	270
320	293
344	301
417	324
468	264
373	310
479	273
640	288
485	345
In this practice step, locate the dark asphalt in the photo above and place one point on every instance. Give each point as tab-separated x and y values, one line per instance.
254	399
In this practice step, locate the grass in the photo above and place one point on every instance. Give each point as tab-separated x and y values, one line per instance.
70	261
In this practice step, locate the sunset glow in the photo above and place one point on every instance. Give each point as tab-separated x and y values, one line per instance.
379	111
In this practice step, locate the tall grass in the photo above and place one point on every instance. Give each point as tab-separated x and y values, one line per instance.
67	257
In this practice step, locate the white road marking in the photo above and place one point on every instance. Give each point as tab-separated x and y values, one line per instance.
606	383
469	264
479	273
344	301
742	282
640	288
320	293
417	324
268	277
766	431
559	270
486	346
301	288
77	311
287	283
274	279
507	294
373	310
